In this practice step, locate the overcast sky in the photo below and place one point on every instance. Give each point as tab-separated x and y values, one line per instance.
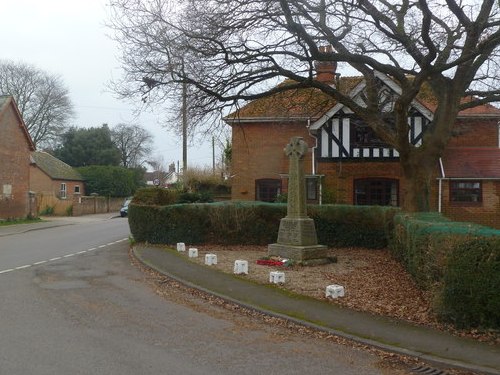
68	38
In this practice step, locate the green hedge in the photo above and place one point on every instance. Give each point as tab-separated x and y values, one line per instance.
471	292
458	262
423	241
255	223
351	226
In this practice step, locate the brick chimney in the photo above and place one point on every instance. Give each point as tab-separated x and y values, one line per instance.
325	70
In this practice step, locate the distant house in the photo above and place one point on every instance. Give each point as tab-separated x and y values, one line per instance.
348	164
52	177
162	178
15	148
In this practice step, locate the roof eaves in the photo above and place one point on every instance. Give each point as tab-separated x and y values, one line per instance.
265	119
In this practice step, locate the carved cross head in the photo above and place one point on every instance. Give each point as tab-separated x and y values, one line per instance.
297	147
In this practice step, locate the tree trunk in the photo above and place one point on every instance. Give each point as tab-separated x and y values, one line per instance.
418	171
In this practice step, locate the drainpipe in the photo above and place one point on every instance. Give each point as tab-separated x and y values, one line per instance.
440	181
313	169
440	187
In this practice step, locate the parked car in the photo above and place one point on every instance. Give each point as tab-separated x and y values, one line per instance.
124	209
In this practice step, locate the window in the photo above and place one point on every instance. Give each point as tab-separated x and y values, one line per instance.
363	136
312	188
77	189
267	190
7	191
465	191
371	191
62	192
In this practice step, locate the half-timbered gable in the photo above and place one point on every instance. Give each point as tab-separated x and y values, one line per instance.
343	135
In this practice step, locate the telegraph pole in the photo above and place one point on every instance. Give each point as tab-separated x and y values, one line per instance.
184	126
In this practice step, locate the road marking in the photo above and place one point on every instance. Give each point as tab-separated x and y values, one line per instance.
61	257
22	267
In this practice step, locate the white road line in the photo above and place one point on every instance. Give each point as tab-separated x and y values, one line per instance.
22	267
61	257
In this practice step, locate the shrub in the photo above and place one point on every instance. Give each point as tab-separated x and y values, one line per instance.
255	223
191	197
47	211
347	225
205	181
470	295
423	241
156	196
111	181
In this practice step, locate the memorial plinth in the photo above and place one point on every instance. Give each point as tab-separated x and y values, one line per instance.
297	238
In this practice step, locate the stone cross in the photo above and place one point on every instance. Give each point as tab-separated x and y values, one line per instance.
296	150
297	238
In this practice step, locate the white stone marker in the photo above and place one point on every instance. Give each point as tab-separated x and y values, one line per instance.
181	246
210	259
334	291
276	277
193	252
241	266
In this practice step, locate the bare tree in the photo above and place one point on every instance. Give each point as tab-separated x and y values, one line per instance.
235	50
42	99
133	142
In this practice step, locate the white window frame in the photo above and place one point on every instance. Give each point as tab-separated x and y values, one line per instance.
63	191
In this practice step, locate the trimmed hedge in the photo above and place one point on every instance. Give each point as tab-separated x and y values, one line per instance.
255	223
471	292
458	262
351	226
423	241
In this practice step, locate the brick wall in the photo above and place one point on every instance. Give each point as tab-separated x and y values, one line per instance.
339	177
14	166
486	212
258	153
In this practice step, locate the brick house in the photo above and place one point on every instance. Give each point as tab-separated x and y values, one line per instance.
15	148
52	177
348	164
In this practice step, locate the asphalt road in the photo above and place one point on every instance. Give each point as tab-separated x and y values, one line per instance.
72	303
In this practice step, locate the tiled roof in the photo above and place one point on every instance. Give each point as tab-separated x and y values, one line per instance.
297	103
55	168
474	162
426	97
313	103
